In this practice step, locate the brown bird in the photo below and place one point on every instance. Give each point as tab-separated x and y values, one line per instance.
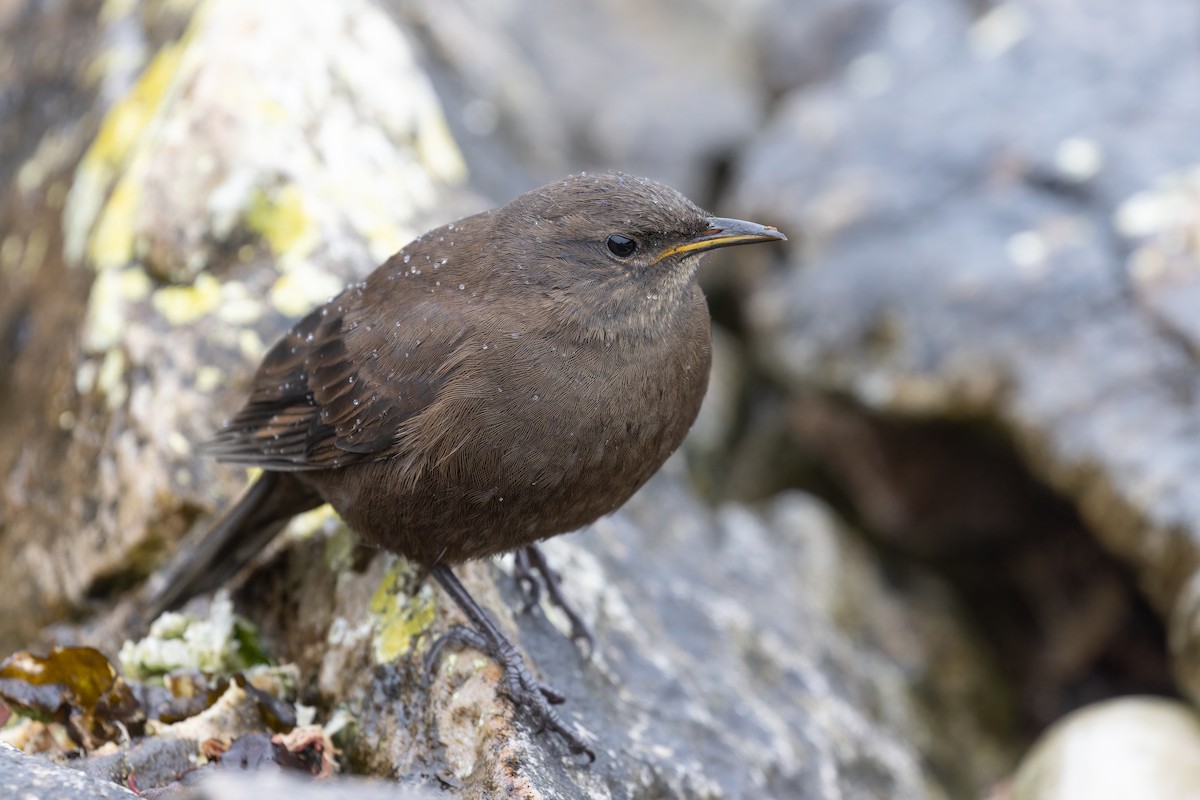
502	379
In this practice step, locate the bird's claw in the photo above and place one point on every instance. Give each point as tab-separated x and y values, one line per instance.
532	571
527	582
522	688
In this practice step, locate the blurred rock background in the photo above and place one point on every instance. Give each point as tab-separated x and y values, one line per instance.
942	493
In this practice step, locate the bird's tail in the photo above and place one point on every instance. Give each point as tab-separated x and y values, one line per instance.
246	528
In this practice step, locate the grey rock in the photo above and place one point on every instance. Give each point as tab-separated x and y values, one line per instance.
538	88
744	655
988	236
25	777
251	786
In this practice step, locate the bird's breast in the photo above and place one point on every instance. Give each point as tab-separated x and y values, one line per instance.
586	423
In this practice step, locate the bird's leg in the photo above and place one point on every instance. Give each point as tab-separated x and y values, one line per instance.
531	559
527	582
525	691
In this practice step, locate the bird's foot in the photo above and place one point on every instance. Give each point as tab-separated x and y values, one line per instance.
527	582
532	571
524	690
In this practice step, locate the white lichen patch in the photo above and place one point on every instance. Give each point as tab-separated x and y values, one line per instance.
322	519
1171	206
1078	158
238	306
1026	249
179	444
301	287
185	642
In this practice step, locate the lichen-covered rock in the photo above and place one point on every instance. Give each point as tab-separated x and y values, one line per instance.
233	180
746	654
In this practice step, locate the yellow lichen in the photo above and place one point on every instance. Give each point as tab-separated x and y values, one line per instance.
436	146
303	526
183	305
97	223
339	548
134	284
283	219
208	378
110	380
251	344
129	117
399	618
105	321
112	239
114	10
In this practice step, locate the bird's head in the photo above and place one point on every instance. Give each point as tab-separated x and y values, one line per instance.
613	246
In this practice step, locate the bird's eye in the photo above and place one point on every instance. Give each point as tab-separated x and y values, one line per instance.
621	246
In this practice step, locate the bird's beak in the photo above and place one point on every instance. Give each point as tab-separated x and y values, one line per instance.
724	232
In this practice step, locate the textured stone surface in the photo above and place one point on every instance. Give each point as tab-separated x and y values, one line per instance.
23	776
537	88
231	181
750	654
999	226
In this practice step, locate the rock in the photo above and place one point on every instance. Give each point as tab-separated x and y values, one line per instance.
742	654
752	655
32	777
1129	747
746	654
988	239
234	182
666	89
232	786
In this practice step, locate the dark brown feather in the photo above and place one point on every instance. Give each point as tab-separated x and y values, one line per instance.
332	392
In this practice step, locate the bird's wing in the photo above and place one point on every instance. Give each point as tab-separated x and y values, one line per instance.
338	387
